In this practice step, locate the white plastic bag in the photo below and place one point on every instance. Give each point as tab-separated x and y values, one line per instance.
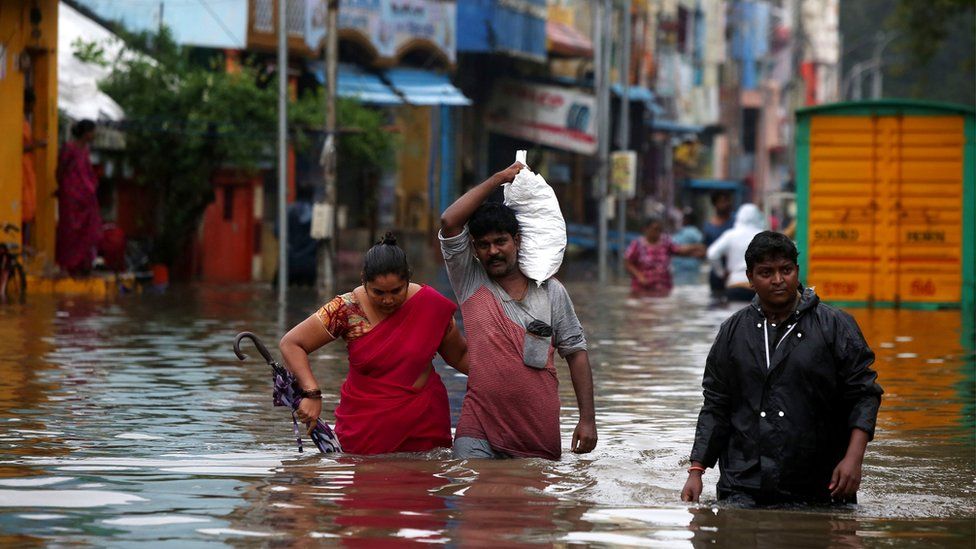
541	224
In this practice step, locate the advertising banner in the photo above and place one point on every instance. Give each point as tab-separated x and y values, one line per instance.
562	118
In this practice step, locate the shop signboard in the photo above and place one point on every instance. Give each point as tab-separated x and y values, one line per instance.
623	173
558	117
389	25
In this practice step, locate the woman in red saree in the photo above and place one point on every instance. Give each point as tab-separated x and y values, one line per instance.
392	399
79	220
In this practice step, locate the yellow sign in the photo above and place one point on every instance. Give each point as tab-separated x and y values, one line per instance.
623	173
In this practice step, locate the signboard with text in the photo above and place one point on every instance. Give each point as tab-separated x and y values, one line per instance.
390	25
562	118
623	173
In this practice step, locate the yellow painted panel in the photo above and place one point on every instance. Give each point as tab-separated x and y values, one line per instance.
932	217
855	172
885	207
853	258
942	187
933	140
947	124
96	285
925	152
933	288
848	234
13	35
842	286
844	196
39	43
863	152
932	170
931	236
413	209
829	213
835	123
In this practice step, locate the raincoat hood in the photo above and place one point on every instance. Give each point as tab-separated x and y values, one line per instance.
749	216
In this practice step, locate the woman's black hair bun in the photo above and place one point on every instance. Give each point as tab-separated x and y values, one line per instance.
385	258
389	239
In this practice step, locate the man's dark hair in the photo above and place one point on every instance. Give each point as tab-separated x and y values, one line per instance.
719	194
769	245
385	258
82	127
493	217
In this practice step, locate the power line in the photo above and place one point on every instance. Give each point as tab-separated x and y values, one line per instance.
219	22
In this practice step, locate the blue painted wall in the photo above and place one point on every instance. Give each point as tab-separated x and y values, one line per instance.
485	26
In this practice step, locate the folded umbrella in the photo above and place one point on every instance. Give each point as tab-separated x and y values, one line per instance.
288	393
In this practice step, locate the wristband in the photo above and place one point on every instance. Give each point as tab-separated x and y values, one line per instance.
696	468
311	393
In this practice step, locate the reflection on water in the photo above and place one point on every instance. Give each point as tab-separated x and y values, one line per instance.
132	421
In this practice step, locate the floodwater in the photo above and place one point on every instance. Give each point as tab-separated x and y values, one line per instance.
131	421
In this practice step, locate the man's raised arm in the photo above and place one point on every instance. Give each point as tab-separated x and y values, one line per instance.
457	214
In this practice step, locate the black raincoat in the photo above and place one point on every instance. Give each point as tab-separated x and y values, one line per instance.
778	424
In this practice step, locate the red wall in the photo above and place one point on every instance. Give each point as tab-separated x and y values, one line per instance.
227	242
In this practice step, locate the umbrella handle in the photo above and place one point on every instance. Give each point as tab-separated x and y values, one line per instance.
257	343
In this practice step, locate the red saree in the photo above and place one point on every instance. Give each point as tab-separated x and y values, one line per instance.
79	220
379	410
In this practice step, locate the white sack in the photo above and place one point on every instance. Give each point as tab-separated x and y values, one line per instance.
541	225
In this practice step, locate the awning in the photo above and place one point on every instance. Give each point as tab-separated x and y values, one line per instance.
671	126
515	28
356	83
562	39
634	93
713	184
420	87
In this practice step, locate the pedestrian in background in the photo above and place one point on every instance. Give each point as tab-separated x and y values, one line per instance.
687	269
791	400
79	218
720	221
648	259
728	254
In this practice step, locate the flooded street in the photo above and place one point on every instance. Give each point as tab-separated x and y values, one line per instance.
132	421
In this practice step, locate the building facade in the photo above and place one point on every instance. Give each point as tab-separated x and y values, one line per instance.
28	69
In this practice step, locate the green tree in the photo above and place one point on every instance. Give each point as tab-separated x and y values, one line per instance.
184	121
931	54
928	23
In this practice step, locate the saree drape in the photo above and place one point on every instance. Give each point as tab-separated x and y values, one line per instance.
79	220
379	409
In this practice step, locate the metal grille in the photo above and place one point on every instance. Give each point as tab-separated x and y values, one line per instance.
295	19
263	20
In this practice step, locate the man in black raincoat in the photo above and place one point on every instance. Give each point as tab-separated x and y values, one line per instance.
790	396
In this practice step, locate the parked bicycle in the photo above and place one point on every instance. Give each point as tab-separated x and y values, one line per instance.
13	283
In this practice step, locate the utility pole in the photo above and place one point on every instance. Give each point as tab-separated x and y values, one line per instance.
882	41
327	247
282	155
623	138
602	42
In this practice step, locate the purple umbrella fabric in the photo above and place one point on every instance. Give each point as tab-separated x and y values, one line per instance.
287	393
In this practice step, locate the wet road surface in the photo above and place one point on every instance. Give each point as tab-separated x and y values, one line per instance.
131	421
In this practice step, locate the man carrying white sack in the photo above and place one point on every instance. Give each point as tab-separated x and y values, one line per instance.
513	326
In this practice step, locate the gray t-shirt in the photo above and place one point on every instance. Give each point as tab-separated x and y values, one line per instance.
467	275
